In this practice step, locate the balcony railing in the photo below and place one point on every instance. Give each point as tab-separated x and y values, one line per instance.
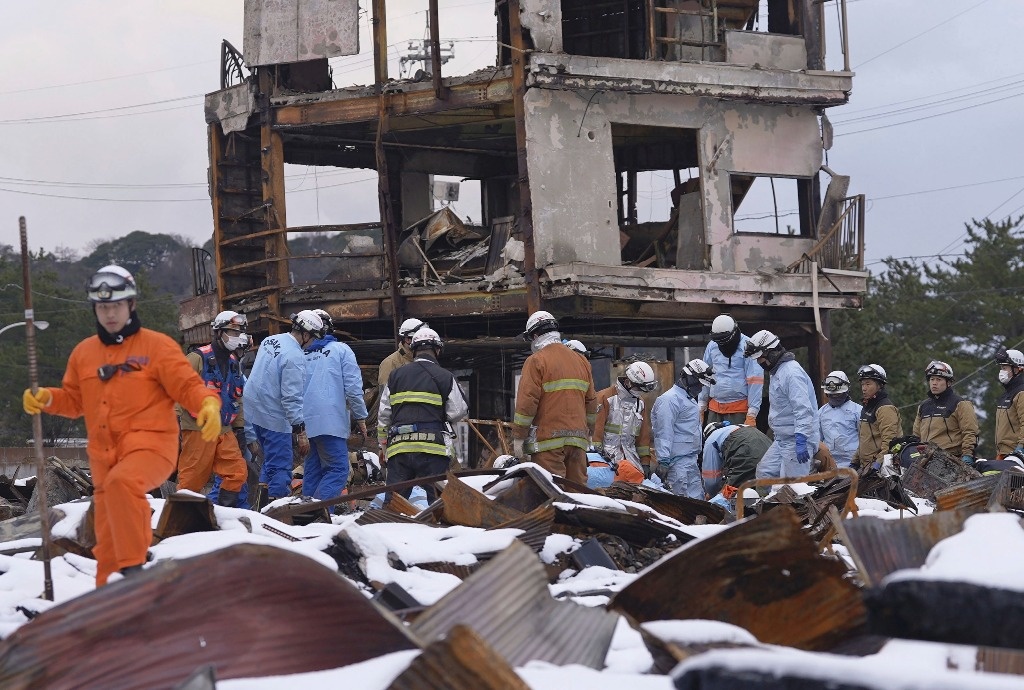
842	246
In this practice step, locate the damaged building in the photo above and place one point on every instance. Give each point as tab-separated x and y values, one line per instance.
586	99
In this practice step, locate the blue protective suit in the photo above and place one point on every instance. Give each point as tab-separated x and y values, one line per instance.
333	389
675	425
736	378
794	410
273	405
272	397
711	468
840	431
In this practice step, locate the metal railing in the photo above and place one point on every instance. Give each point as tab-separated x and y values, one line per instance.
842	246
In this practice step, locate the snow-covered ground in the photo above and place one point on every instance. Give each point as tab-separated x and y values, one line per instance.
990	550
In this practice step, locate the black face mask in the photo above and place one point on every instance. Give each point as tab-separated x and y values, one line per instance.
838	400
729	346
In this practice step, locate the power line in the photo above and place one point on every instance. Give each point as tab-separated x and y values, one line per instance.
932	104
916	36
102	79
929	117
845	112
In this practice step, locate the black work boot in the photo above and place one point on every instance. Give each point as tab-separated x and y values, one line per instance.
228	499
131	570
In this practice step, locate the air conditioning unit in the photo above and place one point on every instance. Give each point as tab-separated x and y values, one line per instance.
446	191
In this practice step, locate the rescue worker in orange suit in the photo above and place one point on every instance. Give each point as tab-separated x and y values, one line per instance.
217	365
556	403
622	432
126	380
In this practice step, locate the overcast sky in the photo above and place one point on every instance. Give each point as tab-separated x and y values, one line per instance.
102	128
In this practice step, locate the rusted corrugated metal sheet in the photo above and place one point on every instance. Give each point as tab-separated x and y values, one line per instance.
936	470
375	516
464	505
536	526
973	495
994	660
154	629
508	604
461	661
1010	492
638	530
764	574
682	508
879	547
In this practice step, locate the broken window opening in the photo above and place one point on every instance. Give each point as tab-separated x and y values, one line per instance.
773	205
605	28
660	210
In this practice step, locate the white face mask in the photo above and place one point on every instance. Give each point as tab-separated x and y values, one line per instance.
234	342
1004	377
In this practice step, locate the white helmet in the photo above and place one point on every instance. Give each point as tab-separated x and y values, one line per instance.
723	327
761	343
229	319
410	326
539	322
426	337
111	284
576	346
306	321
700	370
836	383
641	375
873	372
939	369
326	318
1011	358
712	427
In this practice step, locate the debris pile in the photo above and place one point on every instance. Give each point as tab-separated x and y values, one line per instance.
508	569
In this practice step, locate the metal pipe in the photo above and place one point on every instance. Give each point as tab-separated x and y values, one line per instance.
37	419
846	39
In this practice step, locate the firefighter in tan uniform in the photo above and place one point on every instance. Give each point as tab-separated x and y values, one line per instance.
1010	408
880	419
556	403
946	419
623	429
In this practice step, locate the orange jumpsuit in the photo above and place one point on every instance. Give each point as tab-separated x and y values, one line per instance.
132	430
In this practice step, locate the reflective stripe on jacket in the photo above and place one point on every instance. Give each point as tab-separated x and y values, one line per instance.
228	387
417	401
623	426
739	381
556	396
948	421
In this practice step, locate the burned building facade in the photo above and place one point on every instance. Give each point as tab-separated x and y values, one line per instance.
586	99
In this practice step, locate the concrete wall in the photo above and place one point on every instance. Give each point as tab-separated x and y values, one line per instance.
767	51
572	177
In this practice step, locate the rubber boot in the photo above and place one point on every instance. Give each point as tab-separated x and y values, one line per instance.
131	570
228	499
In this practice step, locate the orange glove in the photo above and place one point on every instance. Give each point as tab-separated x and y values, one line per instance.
729	492
750	420
34	403
208	419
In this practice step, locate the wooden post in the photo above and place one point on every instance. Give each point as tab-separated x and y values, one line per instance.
272	165
435	53
216	152
37	419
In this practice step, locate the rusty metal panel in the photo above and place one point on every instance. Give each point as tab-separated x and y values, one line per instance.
507	602
994	660
299	30
374	516
461	660
282	630
936	470
1010	492
763	574
880	547
536	526
972	495
638	530
464	505
682	508
185	513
